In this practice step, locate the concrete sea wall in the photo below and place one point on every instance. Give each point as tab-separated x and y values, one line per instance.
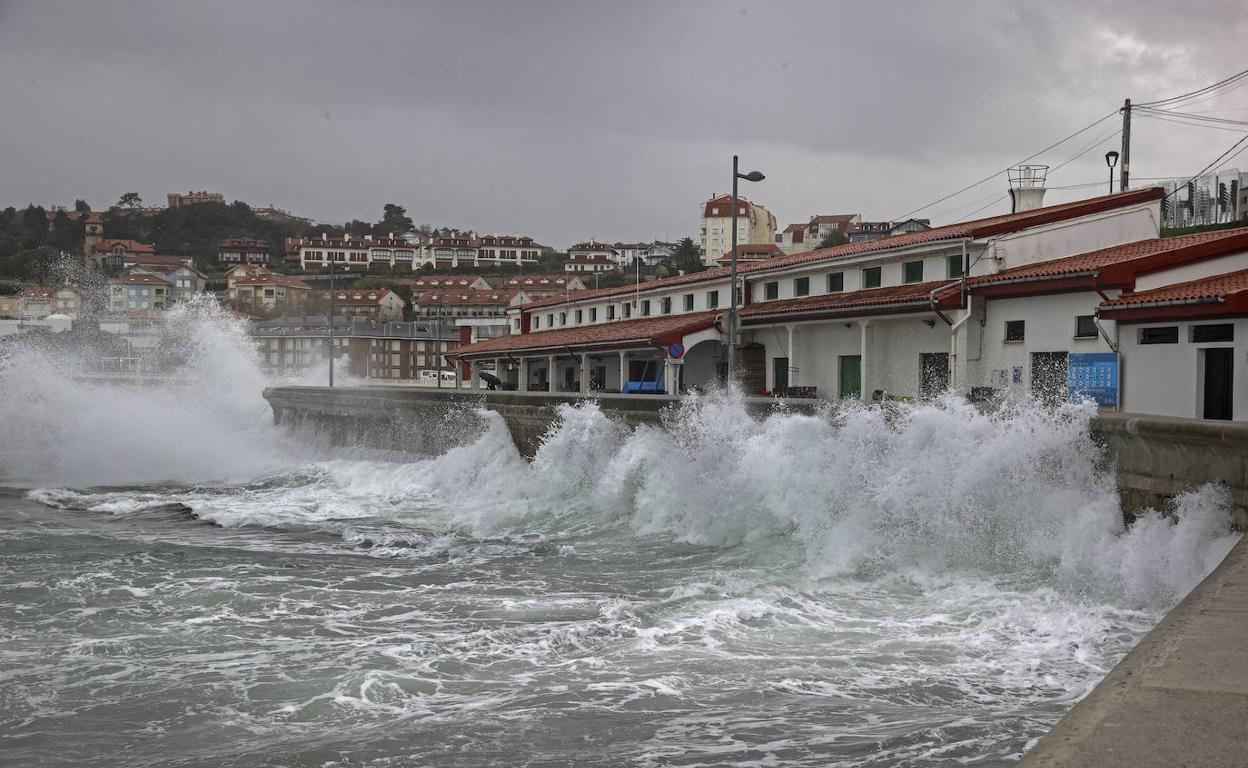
1155	457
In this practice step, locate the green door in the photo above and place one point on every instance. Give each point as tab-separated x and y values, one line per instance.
851	377
780	373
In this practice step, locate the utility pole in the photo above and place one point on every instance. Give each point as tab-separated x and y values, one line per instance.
732	288
331	320
1124	178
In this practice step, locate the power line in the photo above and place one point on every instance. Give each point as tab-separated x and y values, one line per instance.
994	174
1198	92
1219	159
1193	116
1188	124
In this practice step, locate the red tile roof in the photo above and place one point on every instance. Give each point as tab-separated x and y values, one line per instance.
592	245
133	246
141	278
839	218
993	225
723	206
1204	290
752	252
895	298
1117	266
270	278
537	280
368	297
642	332
455	297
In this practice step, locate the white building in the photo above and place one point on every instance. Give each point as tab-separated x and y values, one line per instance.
591	256
1032	301
755	225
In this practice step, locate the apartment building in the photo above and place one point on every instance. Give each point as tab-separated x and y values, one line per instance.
755	225
242	250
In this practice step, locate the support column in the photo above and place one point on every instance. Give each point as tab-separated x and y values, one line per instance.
551	380
623	369
794	369
474	369
864	361
498	368
522	382
585	373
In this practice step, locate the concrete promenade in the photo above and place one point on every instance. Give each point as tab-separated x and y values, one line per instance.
1179	698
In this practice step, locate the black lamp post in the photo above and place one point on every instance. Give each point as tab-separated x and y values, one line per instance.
1111	159
732	313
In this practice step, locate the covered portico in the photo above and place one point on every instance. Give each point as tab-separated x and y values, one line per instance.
884	343
644	355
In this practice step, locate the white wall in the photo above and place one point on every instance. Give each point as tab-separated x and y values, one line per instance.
1232	262
1087	233
1166	379
1049	327
893	349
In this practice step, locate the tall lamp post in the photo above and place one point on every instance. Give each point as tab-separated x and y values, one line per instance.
732	313
1111	159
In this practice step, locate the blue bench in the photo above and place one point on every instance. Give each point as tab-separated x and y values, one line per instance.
642	388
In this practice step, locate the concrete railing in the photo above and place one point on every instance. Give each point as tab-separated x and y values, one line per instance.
1158	457
1154	457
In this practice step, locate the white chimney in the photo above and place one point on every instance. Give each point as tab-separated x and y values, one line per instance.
1027	187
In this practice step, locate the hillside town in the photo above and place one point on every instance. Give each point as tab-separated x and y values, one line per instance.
1047	300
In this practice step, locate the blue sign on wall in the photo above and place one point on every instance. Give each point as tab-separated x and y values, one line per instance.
1093	376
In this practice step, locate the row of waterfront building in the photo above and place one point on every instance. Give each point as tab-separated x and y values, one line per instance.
1082	299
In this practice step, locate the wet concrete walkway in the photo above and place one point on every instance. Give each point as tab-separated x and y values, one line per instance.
1179	698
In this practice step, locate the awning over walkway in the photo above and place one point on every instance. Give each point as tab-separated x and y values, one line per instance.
647	333
896	299
1216	296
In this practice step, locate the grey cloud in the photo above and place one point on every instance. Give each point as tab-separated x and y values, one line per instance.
571	119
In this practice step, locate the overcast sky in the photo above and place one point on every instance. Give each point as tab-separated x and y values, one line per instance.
577	119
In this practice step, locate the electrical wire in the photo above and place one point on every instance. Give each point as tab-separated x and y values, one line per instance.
1163	119
995	174
1193	116
1219	159
1240	76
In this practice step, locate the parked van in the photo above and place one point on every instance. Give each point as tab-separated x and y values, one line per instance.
427	376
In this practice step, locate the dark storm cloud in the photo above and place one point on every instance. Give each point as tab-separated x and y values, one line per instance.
575	119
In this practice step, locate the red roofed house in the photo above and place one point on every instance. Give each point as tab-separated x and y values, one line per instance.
368	303
755	225
139	293
542	286
242	250
1185	343
117	254
268	290
485	312
591	256
793	239
422	283
38	301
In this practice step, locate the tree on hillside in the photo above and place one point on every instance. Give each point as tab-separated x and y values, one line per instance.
687	257
82	206
129	200
358	228
394	219
834	238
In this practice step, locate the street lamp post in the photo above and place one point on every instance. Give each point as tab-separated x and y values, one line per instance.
732	290
1111	159
331	320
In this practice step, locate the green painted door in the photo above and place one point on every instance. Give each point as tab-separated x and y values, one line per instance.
780	373
851	377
